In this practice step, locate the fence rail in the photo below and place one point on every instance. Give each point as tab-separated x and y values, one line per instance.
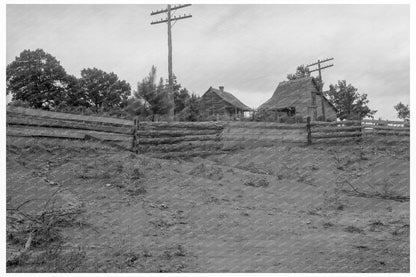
355	129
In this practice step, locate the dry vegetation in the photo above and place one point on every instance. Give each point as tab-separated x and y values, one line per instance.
83	207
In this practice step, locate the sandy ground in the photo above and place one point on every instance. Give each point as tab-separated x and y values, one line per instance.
340	208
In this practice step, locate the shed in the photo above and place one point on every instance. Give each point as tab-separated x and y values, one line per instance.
219	103
300	97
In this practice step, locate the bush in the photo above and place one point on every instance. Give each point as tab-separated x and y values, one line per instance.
19	103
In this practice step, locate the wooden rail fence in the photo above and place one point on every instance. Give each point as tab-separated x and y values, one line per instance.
176	139
355	129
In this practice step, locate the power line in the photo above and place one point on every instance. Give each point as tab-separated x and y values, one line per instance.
169	20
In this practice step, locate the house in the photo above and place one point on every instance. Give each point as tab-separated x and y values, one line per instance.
221	104
300	97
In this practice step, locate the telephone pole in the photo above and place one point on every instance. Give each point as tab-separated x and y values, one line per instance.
169	20
319	69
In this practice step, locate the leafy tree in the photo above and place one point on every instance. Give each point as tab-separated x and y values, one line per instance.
301	71
403	111
37	78
350	104
102	90
181	98
191	110
155	95
75	96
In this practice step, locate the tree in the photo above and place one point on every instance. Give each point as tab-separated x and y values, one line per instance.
349	103
191	110
155	95
180	98
403	111
37	78
75	96
102	90
301	71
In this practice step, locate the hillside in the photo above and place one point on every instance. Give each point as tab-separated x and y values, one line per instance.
338	208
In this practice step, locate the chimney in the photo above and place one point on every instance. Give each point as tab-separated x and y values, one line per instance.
222	88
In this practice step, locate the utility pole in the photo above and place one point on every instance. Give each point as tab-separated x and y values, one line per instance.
169	20
319	69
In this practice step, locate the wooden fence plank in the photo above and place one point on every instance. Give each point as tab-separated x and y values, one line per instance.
58	123
336	135
30	131
336	123
384	121
181	125
172	140
336	129
66	116
175	133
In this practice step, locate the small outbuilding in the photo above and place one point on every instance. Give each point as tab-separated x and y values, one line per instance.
221	104
297	98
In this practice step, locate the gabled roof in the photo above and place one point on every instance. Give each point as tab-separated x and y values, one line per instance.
229	98
292	93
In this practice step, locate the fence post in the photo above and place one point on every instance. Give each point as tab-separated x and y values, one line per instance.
308	129
135	141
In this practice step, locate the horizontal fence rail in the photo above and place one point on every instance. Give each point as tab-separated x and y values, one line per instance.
355	129
23	122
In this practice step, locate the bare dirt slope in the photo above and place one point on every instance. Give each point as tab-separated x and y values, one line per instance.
272	209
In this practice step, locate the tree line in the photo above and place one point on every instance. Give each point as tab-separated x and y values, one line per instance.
36	79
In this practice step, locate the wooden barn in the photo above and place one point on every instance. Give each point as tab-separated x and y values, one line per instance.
221	104
301	98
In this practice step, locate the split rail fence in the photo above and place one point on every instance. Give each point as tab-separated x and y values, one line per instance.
176	139
357	129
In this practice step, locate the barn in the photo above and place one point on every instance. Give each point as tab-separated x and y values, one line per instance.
222	105
297	98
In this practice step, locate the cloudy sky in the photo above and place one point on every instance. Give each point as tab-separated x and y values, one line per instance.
248	49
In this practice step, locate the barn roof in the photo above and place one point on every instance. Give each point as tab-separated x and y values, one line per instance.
230	99
290	94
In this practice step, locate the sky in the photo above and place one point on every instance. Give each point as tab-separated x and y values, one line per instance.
248	49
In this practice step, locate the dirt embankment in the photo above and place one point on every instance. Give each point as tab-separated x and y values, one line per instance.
91	208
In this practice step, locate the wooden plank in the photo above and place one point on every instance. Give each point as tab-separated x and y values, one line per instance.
175	133
59	123
172	140
265	125
384	121
336	135
336	129
182	125
29	131
186	154
67	116
389	128
336	123
391	133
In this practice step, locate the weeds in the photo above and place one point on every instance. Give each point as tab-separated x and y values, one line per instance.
386	192
39	231
353	229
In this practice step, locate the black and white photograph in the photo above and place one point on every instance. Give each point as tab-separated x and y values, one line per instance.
269	137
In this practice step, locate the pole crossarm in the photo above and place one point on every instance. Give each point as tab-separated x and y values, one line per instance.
329	59
172	19
321	68
172	8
